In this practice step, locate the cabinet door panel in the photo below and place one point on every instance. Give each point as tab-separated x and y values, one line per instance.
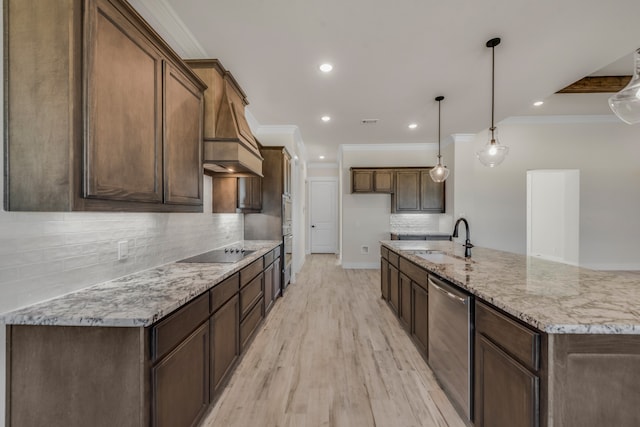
123	144
383	181
394	288
431	194
506	394
268	288
420	317
405	300
181	382
225	340
362	181
384	279
407	195
182	139
277	278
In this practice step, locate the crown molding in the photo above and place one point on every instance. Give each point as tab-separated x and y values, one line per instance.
566	119
166	22
389	147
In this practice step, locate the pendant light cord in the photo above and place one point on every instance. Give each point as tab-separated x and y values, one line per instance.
439	103
493	84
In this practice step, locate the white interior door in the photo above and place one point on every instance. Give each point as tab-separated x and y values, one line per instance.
323	215
553	215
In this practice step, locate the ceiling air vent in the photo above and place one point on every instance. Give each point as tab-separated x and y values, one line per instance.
369	121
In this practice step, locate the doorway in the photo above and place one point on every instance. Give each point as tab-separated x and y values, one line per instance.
323	215
553	215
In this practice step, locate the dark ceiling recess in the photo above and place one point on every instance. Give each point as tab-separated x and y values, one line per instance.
597	84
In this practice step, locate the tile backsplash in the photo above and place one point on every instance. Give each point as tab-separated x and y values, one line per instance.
407	223
43	254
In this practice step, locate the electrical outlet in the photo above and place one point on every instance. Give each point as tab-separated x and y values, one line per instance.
364	249
123	250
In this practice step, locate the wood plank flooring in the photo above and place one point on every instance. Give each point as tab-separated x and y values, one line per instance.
331	353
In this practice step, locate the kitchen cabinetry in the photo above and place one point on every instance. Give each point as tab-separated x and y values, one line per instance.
274	221
384	273
225	330
180	374
132	142
415	192
166	374
236	194
271	278
250	193
415	308
372	180
507	371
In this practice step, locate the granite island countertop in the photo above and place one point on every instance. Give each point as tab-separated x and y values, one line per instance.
139	299
553	297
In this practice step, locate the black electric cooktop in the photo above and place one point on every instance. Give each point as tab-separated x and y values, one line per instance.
219	256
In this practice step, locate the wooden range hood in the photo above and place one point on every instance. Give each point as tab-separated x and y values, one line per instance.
229	145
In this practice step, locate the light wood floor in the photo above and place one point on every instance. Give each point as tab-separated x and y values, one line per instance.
331	353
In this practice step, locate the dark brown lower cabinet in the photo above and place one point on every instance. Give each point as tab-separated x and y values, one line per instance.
394	288
506	393
225	341
277	278
420	318
249	324
384	279
180	382
405	301
268	288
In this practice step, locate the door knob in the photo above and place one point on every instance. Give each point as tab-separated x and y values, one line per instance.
313	226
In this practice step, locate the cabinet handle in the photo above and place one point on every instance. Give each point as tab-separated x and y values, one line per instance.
449	294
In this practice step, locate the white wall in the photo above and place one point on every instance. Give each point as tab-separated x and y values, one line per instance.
494	200
366	217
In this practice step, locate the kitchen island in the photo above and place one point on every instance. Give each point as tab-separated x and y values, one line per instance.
151	348
558	344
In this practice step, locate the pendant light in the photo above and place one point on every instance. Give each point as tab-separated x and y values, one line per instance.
626	103
439	173
493	153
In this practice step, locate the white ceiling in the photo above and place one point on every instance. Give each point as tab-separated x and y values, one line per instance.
392	58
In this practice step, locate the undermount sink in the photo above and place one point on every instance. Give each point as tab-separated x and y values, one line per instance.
439	257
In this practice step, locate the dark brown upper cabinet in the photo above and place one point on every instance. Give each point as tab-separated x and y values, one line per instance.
372	180
101	114
415	192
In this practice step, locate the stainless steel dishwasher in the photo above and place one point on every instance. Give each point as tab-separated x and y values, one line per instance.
451	342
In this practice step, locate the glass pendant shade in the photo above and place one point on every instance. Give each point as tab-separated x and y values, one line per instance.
439	173
493	153
626	103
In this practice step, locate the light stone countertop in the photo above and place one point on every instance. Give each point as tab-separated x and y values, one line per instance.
136	300
553	297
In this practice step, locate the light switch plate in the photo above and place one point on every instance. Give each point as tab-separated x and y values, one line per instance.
123	250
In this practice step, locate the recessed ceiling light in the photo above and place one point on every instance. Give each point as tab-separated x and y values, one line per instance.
413	126
321	157
326	118
326	67
538	103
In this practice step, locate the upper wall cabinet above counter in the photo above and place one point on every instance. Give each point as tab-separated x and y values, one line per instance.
412	189
102	115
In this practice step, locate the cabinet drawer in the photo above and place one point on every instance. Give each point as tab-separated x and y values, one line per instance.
249	294
249	324
223	291
268	258
518	340
384	252
415	273
250	271
393	258
171	331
